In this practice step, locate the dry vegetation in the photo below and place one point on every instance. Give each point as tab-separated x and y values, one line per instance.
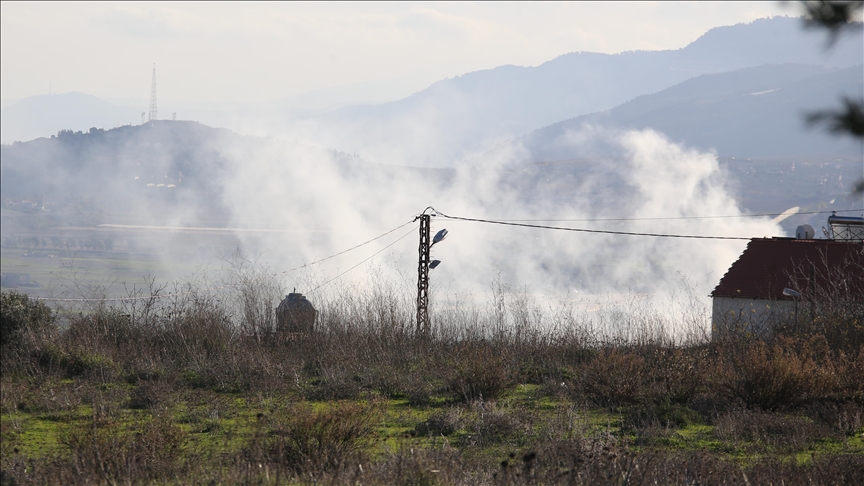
199	389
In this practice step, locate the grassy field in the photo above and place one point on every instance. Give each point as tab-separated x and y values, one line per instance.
72	274
199	391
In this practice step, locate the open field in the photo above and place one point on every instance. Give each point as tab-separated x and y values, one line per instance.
194	391
59	273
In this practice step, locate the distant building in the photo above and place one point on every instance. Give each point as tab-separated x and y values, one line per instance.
773	281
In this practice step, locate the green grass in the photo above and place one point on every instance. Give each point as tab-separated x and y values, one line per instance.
59	275
224	423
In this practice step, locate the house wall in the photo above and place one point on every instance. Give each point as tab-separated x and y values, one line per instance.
754	316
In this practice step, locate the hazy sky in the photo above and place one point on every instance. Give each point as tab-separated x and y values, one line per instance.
260	51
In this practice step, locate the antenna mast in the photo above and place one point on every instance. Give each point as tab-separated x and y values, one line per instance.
153	112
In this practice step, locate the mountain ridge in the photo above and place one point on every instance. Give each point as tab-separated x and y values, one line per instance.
756	112
464	115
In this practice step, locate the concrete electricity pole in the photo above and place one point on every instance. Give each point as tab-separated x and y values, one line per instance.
424	264
423	276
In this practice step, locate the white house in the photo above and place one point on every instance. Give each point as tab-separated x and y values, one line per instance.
772	281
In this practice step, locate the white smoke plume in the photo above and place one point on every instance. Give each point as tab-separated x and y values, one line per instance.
326	204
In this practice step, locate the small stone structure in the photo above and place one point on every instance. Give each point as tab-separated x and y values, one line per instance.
295	314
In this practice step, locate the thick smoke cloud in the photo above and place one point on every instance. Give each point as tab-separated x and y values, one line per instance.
285	203
327	203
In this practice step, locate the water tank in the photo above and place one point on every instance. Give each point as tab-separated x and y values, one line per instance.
805	232
846	228
295	314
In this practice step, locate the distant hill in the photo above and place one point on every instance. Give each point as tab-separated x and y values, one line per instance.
151	167
467	114
169	170
45	115
752	112
180	173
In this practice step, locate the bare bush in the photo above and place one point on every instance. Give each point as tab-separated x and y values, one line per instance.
300	439
782	375
257	293
443	422
106	451
613	377
788	433
479	370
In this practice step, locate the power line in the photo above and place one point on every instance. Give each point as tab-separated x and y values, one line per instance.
175	294
346	251
588	220
583	230
364	261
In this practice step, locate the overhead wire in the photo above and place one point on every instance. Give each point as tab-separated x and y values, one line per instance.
589	220
345	251
504	222
585	230
365	260
176	294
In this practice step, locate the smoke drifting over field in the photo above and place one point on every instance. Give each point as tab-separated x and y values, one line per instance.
332	203
286	203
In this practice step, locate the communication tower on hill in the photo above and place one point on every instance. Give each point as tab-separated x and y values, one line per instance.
153	111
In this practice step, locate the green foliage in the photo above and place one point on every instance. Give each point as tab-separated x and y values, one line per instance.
19	315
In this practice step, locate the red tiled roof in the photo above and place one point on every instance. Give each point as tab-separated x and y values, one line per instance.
770	264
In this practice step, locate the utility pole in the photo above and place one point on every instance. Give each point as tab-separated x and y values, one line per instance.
423	276
424	264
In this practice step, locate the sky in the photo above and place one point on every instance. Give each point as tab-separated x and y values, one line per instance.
254	52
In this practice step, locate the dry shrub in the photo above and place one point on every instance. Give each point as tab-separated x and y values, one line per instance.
661	414
104	327
849	371
776	376
51	397
301	438
149	394
443	422
478	370
614	377
415	388
334	383
846	418
763	429
582	462
414	466
106	451
12	394
646	374
492	423
677	374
